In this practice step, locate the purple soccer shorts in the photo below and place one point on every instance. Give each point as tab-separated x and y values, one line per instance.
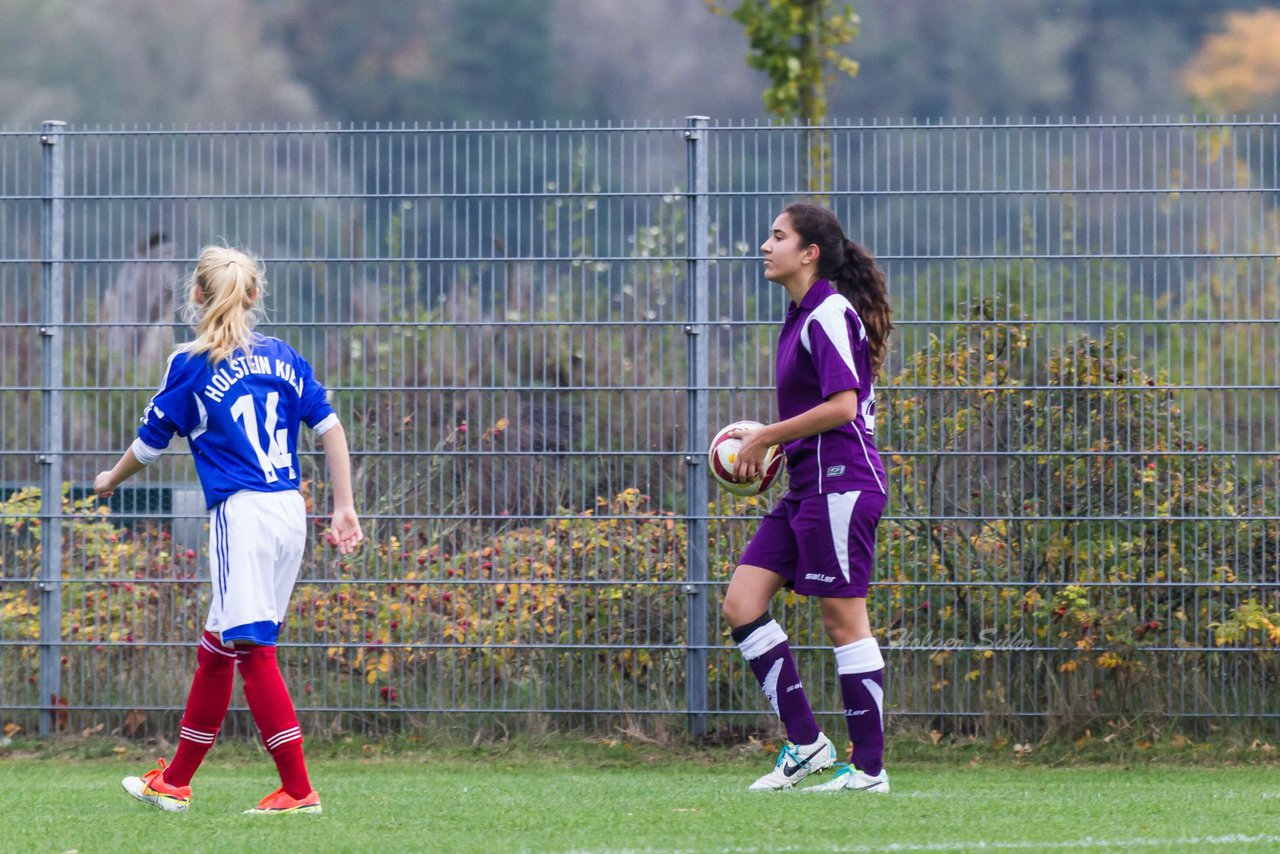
823	545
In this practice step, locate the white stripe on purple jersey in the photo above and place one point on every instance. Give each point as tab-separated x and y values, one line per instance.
822	350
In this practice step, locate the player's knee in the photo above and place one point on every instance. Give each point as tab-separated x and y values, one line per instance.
255	659
211	663
843	628
739	610
213	656
728	608
838	629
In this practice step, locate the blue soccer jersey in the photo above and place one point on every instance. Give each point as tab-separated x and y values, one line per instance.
241	417
823	349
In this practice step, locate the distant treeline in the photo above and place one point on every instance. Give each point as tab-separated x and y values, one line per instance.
279	61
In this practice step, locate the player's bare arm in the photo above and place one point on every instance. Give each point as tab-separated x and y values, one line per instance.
840	408
105	484
344	529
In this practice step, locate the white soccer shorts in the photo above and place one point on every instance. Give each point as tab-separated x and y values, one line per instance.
256	541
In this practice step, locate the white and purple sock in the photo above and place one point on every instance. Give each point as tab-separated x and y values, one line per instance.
764	645
861	669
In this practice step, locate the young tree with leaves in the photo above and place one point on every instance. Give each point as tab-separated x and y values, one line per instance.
797	44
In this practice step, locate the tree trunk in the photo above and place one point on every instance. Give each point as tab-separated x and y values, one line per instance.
813	98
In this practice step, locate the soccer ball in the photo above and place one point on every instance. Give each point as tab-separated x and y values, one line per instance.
723	453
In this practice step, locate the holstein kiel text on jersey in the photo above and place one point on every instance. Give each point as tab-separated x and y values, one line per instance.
223	379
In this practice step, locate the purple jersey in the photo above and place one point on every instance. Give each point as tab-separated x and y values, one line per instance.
822	350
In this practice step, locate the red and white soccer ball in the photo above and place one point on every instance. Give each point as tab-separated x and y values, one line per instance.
723	453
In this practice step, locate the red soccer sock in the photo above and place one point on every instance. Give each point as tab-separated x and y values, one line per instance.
273	712
207	705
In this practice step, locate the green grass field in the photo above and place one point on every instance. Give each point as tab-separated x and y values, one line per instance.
598	799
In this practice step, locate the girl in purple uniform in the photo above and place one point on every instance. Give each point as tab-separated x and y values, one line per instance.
820	537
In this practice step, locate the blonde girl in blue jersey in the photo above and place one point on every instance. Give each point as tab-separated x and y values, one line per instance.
239	398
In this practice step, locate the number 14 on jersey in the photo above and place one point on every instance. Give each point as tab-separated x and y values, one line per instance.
276	455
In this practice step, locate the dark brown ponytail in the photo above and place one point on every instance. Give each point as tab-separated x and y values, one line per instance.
861	281
851	269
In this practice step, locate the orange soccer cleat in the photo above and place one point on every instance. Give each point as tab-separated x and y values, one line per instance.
151	788
281	801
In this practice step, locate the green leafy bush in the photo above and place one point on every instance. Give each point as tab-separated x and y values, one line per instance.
1060	545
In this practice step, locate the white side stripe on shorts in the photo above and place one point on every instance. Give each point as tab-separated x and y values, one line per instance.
285	735
839	514
218	557
196	735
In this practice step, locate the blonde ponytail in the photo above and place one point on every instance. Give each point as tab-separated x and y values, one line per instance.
223	302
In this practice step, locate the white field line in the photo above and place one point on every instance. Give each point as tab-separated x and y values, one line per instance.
1220	795
1086	842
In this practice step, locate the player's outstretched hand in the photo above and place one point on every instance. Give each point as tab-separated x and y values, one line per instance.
344	531
102	485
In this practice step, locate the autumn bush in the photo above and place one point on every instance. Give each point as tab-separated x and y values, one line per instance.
1061	548
1064	528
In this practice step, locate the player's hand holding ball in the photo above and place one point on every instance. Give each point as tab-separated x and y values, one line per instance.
742	461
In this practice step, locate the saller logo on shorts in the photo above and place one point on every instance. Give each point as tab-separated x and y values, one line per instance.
817	576
835	471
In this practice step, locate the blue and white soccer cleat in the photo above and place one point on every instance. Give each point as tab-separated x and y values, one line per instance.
850	779
795	762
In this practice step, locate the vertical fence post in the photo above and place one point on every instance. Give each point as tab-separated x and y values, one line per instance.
697	315
53	200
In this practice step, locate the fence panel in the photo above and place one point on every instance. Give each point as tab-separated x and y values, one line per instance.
21	413
1080	416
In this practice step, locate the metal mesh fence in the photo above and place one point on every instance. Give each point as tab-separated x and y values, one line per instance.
530	334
